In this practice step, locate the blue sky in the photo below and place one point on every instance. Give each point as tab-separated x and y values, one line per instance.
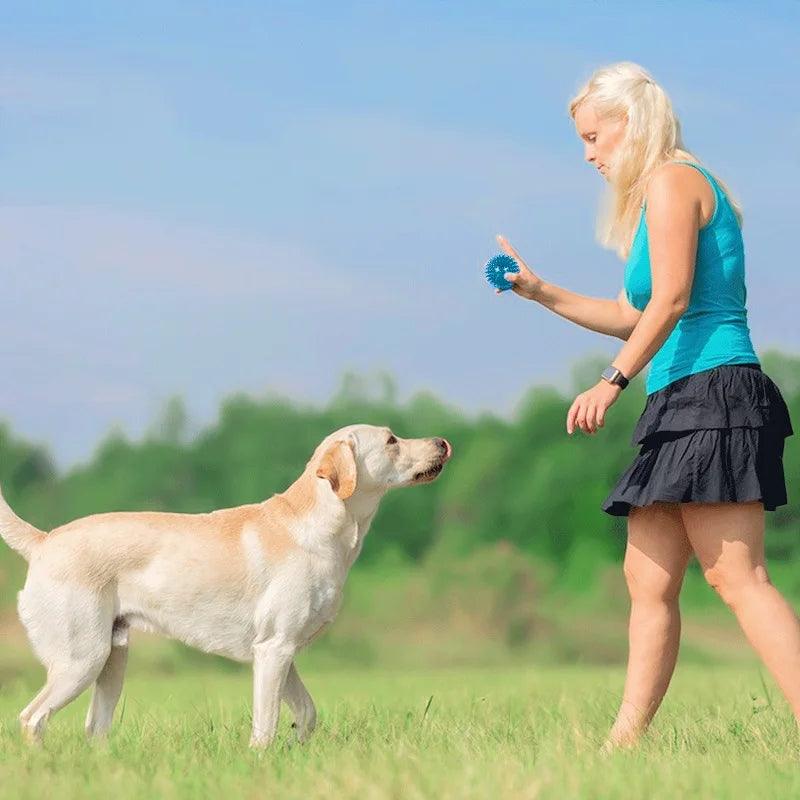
202	198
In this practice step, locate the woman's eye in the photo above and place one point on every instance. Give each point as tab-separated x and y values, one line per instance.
392	439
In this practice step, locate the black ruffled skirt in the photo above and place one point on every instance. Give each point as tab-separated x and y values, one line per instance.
714	436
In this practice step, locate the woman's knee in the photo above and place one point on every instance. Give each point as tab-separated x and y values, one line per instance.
647	583
731	580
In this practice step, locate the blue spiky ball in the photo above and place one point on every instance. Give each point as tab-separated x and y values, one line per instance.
495	269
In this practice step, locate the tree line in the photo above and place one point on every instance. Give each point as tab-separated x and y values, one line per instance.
520	479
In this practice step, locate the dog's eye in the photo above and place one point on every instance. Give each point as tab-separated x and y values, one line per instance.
392	439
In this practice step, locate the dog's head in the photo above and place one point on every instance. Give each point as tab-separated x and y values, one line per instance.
372	458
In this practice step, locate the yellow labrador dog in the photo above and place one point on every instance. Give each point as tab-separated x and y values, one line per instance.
253	583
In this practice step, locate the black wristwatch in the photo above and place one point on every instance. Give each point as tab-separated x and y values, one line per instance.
613	375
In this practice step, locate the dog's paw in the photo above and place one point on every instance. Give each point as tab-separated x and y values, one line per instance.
263	741
260	742
32	736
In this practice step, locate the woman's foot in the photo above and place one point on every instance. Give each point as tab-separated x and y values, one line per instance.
624	740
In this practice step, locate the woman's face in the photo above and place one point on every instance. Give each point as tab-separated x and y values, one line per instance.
601	136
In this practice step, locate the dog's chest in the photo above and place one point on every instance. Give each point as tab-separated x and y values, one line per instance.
324	600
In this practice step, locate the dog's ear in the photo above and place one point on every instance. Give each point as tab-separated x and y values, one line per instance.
338	465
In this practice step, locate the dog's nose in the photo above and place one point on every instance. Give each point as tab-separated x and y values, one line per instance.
445	446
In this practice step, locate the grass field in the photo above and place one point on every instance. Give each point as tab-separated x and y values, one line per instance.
533	732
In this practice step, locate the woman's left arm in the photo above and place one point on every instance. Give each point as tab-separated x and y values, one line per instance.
673	220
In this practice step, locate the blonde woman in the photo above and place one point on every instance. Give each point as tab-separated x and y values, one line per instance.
713	427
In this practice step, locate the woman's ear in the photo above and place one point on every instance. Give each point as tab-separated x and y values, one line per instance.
338	466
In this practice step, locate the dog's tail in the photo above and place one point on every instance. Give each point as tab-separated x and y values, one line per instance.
18	534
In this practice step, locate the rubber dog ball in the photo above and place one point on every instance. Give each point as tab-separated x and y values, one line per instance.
495	269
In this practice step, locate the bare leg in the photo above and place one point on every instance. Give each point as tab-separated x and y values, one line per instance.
656	557
107	690
271	662
729	541
299	701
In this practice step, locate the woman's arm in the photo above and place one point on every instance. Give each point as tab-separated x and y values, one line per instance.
612	317
673	219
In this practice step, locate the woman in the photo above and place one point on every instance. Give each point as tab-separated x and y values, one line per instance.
713	427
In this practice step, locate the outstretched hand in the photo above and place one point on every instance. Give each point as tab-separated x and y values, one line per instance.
525	283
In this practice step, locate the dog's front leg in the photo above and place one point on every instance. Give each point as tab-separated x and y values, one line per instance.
299	701
271	662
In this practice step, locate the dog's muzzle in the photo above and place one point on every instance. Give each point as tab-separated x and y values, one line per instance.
432	472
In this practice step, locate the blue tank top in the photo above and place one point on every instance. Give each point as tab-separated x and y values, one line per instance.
713	330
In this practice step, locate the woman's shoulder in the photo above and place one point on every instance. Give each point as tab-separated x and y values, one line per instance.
676	176
677	183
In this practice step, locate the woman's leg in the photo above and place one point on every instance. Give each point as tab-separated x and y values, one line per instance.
656	557
729	541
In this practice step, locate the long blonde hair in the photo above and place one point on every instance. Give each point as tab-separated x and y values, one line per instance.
652	136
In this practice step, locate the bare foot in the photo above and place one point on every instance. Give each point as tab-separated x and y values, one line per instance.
620	741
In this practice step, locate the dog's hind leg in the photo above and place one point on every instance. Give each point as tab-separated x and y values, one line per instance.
26	712
64	684
108	686
299	701
70	631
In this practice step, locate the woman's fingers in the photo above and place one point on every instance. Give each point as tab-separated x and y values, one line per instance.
584	415
525	279
596	417
524	282
572	413
587	412
509	250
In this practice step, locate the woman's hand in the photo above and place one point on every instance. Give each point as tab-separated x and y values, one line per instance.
524	283
589	408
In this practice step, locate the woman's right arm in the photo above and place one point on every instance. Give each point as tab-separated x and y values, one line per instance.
611	317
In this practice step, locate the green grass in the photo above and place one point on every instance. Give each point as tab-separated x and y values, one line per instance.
723	732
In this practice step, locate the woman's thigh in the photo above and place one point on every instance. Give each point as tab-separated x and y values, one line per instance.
728	538
657	552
